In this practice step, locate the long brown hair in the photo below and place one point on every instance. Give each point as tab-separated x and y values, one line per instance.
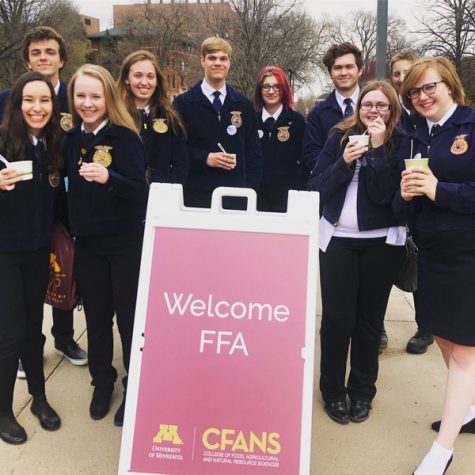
159	102
116	112
14	136
353	125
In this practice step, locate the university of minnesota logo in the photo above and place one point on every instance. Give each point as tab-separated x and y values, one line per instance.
460	145
53	262
168	433
102	155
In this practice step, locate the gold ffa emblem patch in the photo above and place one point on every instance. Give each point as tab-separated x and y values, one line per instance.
54	179
102	155
460	145
236	118
283	134
66	121
160	126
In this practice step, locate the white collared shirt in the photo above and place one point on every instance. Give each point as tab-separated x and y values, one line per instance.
97	130
275	115
444	119
209	90
56	88
341	99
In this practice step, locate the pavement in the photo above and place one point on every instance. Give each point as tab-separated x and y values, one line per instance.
391	441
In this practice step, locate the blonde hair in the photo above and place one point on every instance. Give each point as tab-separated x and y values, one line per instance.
214	44
116	111
159	99
447	73
353	125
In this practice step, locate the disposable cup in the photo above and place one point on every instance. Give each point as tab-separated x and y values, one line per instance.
233	155
416	162
362	139
25	167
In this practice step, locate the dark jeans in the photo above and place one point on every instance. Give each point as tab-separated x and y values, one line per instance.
108	273
23	283
356	279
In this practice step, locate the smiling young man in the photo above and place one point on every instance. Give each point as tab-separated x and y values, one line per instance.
44	51
215	113
345	66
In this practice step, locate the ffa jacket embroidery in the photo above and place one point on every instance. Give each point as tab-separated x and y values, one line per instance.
102	155
460	145
160	126
66	121
283	134
236	118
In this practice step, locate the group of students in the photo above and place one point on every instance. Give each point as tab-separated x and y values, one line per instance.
368	194
124	135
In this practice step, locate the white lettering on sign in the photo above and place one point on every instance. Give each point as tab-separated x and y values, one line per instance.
179	303
220	339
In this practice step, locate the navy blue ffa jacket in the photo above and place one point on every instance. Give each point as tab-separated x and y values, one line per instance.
117	206
26	212
282	148
378	181
62	97
320	121
167	155
407	122
235	128
451	153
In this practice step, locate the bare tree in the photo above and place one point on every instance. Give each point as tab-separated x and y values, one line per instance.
360	29
18	16
264	32
449	31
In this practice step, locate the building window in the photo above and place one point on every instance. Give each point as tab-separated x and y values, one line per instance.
87	21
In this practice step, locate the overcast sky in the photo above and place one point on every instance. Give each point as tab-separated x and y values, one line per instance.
102	9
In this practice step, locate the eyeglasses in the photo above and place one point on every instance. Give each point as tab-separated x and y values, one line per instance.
268	87
428	89
380	106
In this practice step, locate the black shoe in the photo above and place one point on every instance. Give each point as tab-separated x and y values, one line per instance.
383	342
119	415
47	416
468	428
20	373
72	352
337	411
10	431
100	404
417	345
359	410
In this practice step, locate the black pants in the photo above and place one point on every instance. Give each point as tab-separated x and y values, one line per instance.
62	329
272	198
356	279
107	269
23	283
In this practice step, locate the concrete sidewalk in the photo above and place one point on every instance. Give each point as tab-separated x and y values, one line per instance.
391	441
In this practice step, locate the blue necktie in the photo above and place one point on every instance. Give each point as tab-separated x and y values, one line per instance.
269	124
217	102
349	107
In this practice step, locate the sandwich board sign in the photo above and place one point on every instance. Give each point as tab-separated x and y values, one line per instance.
221	372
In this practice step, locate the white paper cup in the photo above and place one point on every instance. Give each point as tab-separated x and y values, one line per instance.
416	162
362	139
25	167
233	155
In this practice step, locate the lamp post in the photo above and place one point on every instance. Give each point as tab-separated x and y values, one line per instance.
381	38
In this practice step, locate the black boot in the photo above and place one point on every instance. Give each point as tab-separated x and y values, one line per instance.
47	416
10	431
119	415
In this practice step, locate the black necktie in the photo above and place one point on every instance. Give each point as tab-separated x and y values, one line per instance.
217	101
269	124
40	150
434	129
144	114
87	140
349	107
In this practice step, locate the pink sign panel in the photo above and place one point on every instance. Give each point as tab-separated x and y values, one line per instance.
220	388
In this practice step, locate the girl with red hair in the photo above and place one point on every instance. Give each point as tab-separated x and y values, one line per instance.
280	130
